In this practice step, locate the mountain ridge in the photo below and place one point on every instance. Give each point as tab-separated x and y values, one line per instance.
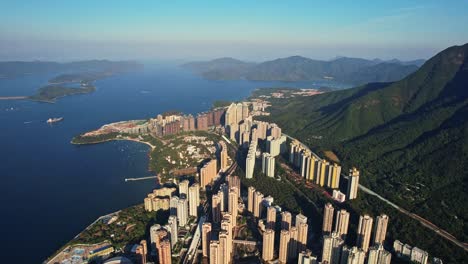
298	68
409	138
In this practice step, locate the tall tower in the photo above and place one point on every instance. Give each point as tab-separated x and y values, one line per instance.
342	223
286	220
215	252
353	184
378	255
327	219
183	188
194	199
283	248
332	246
206	239
292	248
352	255
250	198
268	244
302	231
271	217
364	232
380	230
165	252
233	203
172	222
216	208
182	211
300	218
258	199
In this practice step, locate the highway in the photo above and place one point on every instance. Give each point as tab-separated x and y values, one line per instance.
426	223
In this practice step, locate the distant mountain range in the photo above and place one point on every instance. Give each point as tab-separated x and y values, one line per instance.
410	137
10	69
352	71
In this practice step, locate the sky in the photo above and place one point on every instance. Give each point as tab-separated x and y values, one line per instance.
249	30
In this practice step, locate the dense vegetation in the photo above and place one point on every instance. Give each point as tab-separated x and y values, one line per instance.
50	93
408	138
296	68
131	227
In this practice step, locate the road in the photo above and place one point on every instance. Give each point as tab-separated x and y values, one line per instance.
191	255
426	223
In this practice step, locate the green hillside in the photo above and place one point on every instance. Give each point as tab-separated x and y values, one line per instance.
409	138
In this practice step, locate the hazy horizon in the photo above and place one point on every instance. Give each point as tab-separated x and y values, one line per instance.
147	30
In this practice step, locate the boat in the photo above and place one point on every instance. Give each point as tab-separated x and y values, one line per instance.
55	119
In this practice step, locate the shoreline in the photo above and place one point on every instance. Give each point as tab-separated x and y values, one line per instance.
14	97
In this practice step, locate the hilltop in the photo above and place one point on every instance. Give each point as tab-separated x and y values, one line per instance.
409	137
296	68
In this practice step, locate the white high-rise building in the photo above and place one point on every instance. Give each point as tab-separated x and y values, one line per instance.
268	165
182	211
353	184
194	199
172	223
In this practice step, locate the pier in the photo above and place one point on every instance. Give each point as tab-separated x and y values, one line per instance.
141	179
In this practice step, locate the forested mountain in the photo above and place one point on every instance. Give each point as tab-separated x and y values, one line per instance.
409	138
296	68
18	68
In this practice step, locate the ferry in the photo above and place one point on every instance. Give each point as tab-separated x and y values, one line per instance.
53	120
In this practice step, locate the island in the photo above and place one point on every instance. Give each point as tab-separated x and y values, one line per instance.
79	81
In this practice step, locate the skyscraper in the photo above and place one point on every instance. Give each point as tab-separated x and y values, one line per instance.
215	252
202	122
292	248
313	168
275	146
233	204
302	231
380	229
208	173
352	255
165	256
268	244
300	218
268	165
183	188
353	184
250	160
378	255
332	246
173	230
250	198
334	182
216	208
206	239
194	199
306	257
234	181
286	220
258	199
274	131
342	223
223	158
182	211
327	219
364	232
283	248
173	205
271	217
225	244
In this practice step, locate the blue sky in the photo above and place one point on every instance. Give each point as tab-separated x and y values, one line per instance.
251	30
